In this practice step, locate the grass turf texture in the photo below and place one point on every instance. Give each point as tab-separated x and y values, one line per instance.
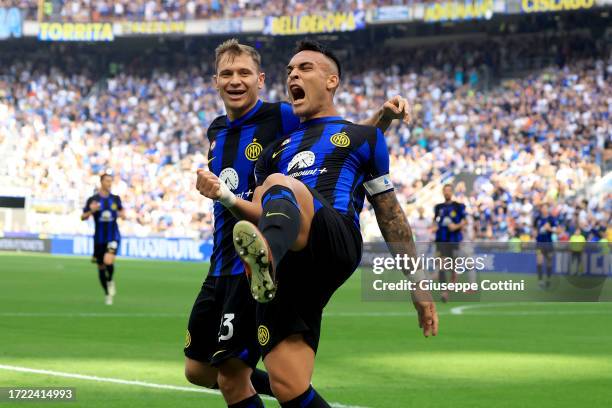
504	356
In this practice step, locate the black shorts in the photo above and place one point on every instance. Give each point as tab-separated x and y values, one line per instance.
101	249
447	249
546	248
307	279
222	322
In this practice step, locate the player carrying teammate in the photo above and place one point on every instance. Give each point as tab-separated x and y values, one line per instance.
308	241
105	208
221	347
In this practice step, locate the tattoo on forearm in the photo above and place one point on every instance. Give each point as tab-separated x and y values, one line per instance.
393	224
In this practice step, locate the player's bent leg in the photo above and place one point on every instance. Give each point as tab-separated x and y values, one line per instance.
288	209
274	197
234	379
290	365
199	373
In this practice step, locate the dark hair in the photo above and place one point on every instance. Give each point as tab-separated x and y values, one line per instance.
105	175
311	45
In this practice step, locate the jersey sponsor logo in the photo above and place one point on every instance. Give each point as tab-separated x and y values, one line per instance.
230	177
301	160
106	216
263	335
340	139
253	150
187	339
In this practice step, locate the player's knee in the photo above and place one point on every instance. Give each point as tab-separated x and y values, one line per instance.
286	388
276	179
233	380
200	375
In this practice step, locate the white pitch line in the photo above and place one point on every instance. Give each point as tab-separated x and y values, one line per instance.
136	383
460	310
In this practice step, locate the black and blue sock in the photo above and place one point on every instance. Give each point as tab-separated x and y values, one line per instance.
309	399
251	402
280	220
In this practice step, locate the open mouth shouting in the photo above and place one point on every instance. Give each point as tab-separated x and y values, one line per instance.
297	94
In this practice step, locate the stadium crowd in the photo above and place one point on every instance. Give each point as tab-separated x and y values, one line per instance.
183	10
539	138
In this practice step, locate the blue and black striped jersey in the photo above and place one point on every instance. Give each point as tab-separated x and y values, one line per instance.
106	228
444	215
342	161
235	146
539	224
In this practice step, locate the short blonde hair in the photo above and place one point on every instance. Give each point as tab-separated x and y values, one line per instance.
234	49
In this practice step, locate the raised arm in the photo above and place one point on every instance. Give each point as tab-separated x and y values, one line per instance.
209	185
398	236
395	108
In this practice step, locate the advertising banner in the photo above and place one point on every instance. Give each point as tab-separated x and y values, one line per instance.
76	32
168	249
313	24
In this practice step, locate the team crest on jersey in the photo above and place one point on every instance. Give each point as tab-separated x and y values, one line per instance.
114	206
253	150
453	213
263	335
301	160
340	139
230	177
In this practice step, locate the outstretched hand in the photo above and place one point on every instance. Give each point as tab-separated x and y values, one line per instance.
426	310
397	108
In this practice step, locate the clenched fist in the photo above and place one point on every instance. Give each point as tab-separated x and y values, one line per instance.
208	184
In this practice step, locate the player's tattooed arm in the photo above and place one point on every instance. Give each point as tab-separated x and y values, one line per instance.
396	230
395	108
393	224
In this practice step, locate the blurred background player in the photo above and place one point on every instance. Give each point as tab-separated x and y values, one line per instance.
105	208
449	220
545	225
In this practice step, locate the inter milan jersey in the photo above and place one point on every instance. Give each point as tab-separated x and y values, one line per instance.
235	146
444	215
105	219
539	223
340	160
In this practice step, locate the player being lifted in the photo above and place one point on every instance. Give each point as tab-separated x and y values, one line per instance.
105	208
311	188
221	348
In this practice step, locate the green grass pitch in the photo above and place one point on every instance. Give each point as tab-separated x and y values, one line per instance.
52	317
